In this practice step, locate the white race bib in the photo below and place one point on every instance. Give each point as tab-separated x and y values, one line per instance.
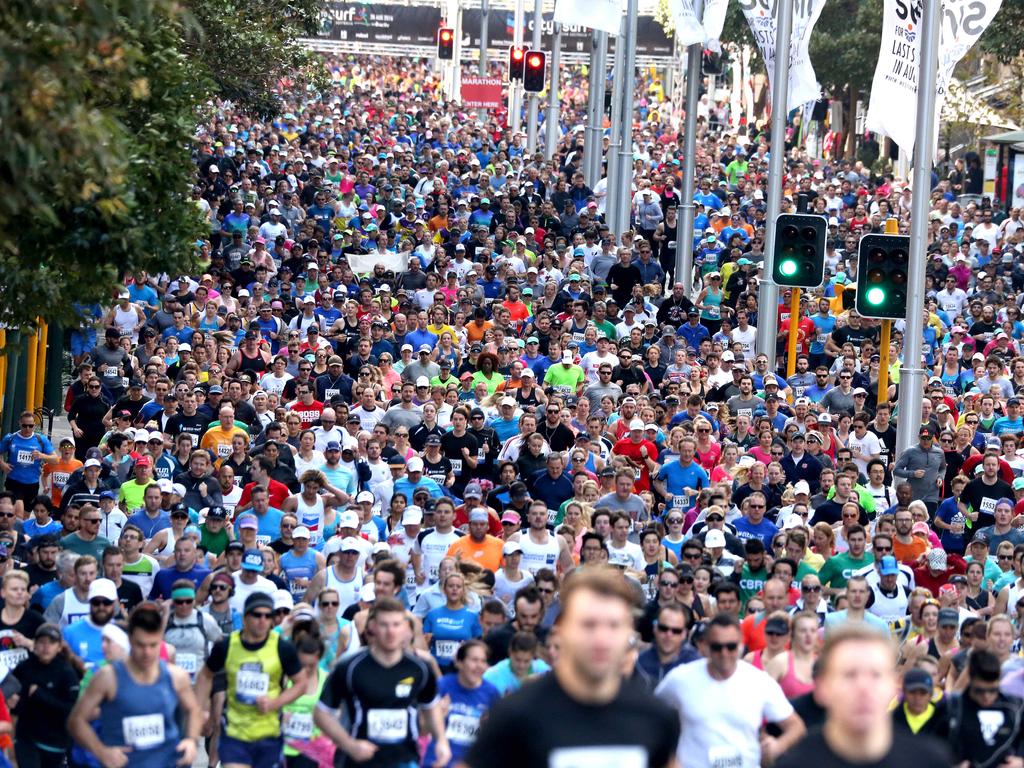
611	756
446	649
456	466
223	450
461	728
298	725
329	393
250	685
188	662
724	757
24	457
679	502
387	726
988	505
143	731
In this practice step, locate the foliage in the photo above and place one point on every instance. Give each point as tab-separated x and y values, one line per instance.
1003	37
99	101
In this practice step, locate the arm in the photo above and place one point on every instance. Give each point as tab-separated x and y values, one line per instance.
326	720
434	717
193	720
101	688
793	729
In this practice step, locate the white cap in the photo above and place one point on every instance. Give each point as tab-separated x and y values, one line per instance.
528	373
165	485
380	546
348	519
801	487
178	489
412	515
422	381
651	426
103	588
141	436
714	538
793	521
511	547
636	424
92	463
367	593
283	599
567	357
728	357
364	496
508	401
301	532
350	543
415	464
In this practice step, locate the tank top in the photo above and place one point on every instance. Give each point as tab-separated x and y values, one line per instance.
250	675
311	516
348	591
297	718
792	685
758	662
576	332
252	364
127	322
191	645
667	252
298	567
168	548
74	609
537	556
713	306
143	717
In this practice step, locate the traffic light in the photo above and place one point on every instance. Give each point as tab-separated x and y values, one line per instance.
446	43
883	262
516	62
799	250
533	72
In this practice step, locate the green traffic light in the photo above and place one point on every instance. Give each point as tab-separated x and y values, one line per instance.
788	268
875	296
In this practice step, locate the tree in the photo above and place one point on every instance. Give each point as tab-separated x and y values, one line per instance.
99	101
1002	38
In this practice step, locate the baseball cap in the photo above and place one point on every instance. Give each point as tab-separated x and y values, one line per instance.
473	491
258	599
511	547
714	538
301	532
364	496
412	515
350	544
415	464
103	589
949	617
479	516
888	566
511	517
918	679
252	560
348	519
636	424
247	521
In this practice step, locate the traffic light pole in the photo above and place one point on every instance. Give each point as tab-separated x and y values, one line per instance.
515	87
768	295
533	111
612	199
551	124
485	7
625	169
600	88
684	226
590	130
794	324
912	375
892	227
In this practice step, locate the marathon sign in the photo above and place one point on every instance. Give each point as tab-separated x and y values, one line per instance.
380	24
482	92
651	39
760	15
896	73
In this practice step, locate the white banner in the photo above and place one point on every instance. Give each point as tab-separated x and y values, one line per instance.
893	108
602	15
760	14
363	263
690	31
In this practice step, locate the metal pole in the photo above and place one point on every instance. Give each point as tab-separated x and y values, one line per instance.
684	222
515	88
534	106
625	169
485	7
912	375
768	295
551	124
590	129
600	88
612	200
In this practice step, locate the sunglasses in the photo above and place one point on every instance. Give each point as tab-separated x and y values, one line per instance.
810	589
218	587
262	615
675	520
99	601
720	647
673	630
82	519
184	601
329	603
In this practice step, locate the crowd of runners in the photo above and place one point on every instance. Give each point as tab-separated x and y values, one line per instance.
425	466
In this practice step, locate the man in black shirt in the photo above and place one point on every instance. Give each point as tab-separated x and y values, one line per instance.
622	276
602	721
856	681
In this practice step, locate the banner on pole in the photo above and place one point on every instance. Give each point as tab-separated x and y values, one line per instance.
896	74
690	30
760	15
482	92
651	38
381	23
602	15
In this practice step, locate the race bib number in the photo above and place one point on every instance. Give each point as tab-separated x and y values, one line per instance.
638	472
188	662
60	479
250	685
552	516
10	659
264	540
143	731
329	393
456	466
387	726
744	412
223	450
298	725
610	756
195	440
578	338
725	757
988	505
462	728
714	312
821	338
446	649
24	457
680	501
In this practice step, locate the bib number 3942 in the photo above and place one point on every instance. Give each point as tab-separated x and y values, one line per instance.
387	726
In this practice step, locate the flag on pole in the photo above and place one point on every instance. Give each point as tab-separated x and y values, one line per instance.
602	15
691	31
803	83
892	111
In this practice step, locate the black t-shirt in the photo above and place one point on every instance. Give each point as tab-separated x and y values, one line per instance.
982	499
906	750
855	336
451	447
129	594
559	437
437	471
38	576
381	704
194	425
633	725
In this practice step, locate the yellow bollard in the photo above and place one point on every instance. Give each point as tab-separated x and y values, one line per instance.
44	335
30	369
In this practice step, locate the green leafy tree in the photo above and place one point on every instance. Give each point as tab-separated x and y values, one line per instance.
99	101
1003	37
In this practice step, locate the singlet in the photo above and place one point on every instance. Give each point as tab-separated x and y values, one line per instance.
253	364
576	332
537	556
667	252
757	661
311	516
191	645
127	322
168	548
348	591
713	306
792	685
298	567
250	675
143	717
297	717
74	609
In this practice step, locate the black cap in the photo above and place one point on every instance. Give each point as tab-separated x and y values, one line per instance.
48	630
258	600
235	546
776	626
217	511
917	680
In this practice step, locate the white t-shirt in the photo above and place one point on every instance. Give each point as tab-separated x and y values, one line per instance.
243	590
630	555
433	546
721	719
869	444
745	338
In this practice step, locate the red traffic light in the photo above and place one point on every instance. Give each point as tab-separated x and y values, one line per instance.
535	61
517	53
446	35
